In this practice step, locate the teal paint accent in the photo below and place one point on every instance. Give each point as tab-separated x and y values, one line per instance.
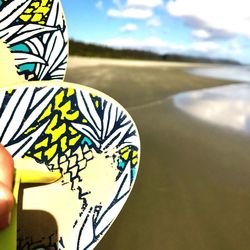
27	67
19	47
1	2
133	173
86	140
121	164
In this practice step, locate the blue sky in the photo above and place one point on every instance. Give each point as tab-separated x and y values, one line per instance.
211	28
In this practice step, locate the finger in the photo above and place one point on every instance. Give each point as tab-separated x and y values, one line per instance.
6	182
6	168
6	204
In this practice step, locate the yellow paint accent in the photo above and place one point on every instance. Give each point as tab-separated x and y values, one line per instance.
64	143
58	132
74	140
134	161
43	10
44	2
50	153
65	109
124	149
43	143
70	92
37	12
28	11
38	155
25	17
73	116
85	121
72	131
135	153
35	4
97	104
37	17
29	130
125	156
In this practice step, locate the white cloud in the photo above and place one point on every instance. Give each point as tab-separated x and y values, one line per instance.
145	3
135	9
129	27
204	47
154	22
228	17
200	33
134	13
131	43
99	5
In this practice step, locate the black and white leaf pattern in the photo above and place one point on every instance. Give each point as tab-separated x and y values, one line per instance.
50	60
113	130
13	122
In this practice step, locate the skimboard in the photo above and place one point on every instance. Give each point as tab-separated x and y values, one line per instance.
35	33
77	138
86	137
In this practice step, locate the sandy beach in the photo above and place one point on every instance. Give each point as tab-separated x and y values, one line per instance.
193	188
78	61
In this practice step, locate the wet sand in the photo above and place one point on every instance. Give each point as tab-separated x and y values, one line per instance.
193	188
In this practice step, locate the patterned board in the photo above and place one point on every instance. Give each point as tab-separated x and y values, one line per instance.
90	139
35	33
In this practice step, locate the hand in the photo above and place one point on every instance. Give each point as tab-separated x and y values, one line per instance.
6	183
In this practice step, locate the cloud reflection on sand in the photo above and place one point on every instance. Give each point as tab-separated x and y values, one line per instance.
227	106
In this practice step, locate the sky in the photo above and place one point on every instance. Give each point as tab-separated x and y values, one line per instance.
210	28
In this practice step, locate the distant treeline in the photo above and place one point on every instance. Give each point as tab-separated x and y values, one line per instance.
183	58
93	50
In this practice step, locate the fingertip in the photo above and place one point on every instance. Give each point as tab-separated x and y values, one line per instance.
5	157
6	167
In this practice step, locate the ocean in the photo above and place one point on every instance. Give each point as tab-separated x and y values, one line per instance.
235	73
